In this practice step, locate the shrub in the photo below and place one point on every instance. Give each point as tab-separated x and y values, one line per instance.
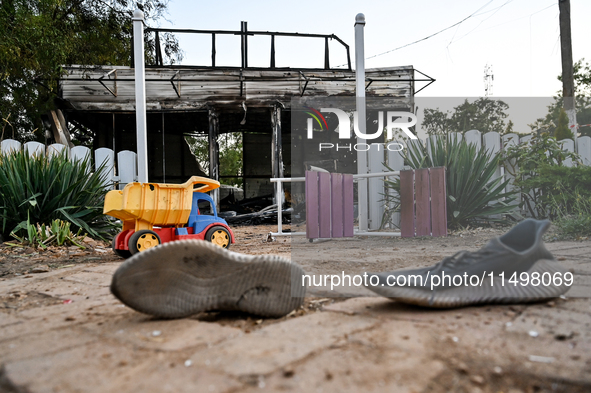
40	190
574	226
538	168
572	210
559	189
472	193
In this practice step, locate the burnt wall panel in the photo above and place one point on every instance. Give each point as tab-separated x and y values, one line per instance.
179	163
257	165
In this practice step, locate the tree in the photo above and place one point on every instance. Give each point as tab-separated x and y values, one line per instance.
230	155
582	77
39	37
231	161
484	115
436	122
562	131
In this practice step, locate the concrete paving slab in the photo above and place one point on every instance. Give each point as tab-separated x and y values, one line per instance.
143	331
52	341
355	367
96	344
266	350
172	374
85	368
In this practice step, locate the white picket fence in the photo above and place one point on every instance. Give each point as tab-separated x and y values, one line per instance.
493	141
126	160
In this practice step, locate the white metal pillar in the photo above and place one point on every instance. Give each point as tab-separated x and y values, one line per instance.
362	197
276	152
214	153
140	95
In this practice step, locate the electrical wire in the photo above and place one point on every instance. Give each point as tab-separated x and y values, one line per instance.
475	13
431	35
481	22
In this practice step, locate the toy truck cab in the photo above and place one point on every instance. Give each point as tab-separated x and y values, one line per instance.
154	213
205	226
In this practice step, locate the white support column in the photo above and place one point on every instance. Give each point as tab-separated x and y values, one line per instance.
214	154
376	186
360	101
276	153
140	95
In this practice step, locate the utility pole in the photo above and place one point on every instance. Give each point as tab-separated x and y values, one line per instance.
566	51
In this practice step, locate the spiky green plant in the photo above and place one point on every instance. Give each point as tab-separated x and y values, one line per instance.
39	189
472	192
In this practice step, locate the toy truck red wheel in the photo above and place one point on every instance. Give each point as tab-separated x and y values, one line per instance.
219	236
143	240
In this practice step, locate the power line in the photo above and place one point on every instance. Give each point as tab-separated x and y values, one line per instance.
475	13
481	22
432	35
521	17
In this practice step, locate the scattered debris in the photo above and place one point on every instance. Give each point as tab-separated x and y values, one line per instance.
40	269
564	335
288	372
462	367
20	260
541	359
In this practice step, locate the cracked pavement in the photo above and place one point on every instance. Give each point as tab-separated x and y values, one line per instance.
62	331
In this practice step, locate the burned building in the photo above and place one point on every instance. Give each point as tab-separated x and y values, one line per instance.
211	101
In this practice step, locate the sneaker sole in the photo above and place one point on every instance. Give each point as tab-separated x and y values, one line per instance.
183	278
501	292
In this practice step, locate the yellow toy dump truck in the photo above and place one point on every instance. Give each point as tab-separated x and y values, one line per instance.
154	213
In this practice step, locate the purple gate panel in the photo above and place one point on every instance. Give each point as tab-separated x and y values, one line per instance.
407	204
423	204
438	202
312	214
324	204
348	209
336	184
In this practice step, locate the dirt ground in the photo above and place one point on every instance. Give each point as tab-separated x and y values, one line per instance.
18	261
62	331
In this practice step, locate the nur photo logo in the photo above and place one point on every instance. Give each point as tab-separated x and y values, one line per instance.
387	121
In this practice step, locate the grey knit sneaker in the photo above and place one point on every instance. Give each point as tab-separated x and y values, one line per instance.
183	278
513	268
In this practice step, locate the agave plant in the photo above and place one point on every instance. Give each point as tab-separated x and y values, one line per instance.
39	189
472	191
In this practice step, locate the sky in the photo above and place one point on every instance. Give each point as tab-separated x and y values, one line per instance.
519	39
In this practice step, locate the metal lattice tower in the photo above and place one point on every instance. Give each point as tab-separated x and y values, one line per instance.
488	80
